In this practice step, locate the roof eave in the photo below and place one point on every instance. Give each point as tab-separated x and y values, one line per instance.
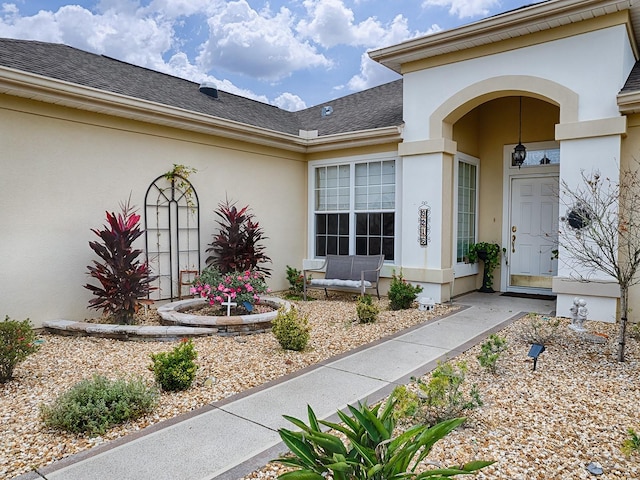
361	138
629	102
512	24
37	87
45	89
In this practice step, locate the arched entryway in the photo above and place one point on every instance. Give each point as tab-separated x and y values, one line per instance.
515	206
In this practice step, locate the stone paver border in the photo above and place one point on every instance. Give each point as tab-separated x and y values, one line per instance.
125	332
177	325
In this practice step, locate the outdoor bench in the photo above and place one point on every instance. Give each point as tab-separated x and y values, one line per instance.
356	273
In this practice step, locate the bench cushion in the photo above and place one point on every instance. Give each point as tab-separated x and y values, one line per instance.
333	282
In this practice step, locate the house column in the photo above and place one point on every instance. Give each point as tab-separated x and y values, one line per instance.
589	147
427	186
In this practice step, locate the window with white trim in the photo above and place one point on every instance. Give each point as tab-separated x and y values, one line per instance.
466	204
354	209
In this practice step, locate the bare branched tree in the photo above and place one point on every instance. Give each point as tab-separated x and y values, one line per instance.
601	233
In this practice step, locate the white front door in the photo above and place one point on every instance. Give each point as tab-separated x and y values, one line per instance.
533	235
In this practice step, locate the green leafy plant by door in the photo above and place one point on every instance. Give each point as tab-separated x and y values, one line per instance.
489	253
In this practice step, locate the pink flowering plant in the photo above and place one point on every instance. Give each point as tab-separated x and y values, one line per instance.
244	288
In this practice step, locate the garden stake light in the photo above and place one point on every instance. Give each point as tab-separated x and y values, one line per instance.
534	352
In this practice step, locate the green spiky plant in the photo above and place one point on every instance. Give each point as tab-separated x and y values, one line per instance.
490	351
124	280
372	452
236	247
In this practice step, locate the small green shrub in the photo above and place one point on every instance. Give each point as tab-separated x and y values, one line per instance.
175	370
371	451
93	406
296	281
538	329
632	444
366	310
17	341
402	293
291	330
407	402
490	352
445	396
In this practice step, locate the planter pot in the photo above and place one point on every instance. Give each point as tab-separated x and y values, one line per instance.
487	276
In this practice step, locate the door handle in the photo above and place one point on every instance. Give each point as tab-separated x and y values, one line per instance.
513	244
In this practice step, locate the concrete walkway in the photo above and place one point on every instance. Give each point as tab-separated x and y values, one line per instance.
229	439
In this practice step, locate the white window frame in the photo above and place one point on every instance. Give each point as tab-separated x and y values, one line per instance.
462	269
351	161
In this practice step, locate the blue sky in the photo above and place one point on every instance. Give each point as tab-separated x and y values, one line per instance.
293	54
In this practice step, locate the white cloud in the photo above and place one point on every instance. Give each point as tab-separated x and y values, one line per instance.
120	30
131	38
464	8
257	44
179	8
180	66
332	23
371	74
289	101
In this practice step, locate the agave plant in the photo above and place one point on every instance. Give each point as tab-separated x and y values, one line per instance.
123	278
371	453
236	247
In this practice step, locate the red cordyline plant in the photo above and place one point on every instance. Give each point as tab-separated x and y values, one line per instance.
123	278
236	247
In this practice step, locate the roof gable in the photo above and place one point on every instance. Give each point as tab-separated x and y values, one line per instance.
526	21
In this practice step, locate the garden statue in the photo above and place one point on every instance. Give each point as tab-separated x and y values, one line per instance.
582	313
574	311
578	314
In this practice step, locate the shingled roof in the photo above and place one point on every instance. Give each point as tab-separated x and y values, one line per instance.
374	108
633	81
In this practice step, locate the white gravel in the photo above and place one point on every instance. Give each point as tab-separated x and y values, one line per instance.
548	424
236	364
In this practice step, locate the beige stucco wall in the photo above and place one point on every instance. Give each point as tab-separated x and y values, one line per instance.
62	168
631	161
482	133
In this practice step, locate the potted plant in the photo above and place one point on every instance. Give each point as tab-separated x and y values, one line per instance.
489	253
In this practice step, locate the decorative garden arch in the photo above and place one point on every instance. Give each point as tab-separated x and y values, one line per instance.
172	234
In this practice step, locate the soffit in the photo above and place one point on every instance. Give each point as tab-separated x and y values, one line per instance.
509	25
